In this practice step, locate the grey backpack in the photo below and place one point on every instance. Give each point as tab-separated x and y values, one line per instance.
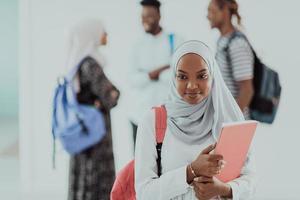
266	84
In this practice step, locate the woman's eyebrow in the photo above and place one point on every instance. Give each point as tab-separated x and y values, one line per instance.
182	71
202	70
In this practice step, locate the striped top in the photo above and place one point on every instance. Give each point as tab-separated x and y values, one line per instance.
242	62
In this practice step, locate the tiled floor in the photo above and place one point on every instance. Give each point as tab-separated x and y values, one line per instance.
9	181
9	164
9	159
9	169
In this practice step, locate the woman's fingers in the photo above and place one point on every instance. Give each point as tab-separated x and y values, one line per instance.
215	157
214	170
208	149
97	104
114	94
221	163
203	179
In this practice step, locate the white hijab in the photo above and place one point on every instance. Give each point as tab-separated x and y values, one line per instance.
193	123
82	40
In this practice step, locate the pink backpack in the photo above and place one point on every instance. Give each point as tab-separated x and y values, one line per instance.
123	188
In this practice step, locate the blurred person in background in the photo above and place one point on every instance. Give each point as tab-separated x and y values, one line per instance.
234	54
150	63
92	171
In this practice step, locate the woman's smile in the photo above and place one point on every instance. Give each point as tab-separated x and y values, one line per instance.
192	95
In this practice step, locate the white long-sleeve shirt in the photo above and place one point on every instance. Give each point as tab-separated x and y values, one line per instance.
175	156
148	54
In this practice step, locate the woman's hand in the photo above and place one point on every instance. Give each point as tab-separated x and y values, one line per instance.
207	188
110	102
154	75
114	94
97	104
207	164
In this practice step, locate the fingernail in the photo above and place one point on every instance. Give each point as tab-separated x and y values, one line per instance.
196	179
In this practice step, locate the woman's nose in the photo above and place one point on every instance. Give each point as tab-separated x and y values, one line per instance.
192	85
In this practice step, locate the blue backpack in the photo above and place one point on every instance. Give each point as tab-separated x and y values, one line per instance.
77	126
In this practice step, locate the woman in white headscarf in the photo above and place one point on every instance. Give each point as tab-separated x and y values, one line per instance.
198	104
92	171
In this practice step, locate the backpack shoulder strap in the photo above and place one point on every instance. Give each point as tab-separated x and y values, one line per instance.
171	42
234	35
160	130
72	73
237	34
160	123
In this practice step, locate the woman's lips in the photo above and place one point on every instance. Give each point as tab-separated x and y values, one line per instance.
192	95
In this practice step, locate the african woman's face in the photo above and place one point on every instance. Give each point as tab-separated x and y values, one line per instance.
193	80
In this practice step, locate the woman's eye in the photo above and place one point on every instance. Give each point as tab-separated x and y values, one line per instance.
203	76
181	77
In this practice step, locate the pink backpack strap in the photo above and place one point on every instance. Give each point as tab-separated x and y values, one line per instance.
160	123
160	130
123	188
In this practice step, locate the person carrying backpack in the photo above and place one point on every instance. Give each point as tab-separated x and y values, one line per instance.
183	167
238	74
255	87
92	168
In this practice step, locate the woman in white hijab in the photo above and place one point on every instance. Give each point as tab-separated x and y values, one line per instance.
198	104
91	171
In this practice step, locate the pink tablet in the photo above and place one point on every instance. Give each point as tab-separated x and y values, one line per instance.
233	144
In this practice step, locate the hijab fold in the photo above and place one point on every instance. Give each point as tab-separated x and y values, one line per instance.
83	40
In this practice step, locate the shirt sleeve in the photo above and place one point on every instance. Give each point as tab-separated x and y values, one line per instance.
148	185
244	187
242	59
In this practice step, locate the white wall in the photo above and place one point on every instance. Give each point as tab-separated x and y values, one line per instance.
270	25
